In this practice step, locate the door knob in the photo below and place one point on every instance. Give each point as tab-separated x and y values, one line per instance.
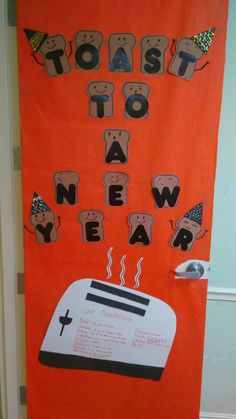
194	270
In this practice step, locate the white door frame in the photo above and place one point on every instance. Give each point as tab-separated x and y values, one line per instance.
8	328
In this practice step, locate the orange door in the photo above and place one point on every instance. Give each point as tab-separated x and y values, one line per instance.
120	105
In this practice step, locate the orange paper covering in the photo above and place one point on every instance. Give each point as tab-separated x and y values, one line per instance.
179	137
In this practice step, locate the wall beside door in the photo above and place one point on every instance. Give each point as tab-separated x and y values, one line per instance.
219	374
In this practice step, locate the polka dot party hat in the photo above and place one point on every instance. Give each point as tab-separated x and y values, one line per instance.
195	214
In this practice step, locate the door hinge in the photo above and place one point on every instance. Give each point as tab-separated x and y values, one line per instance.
11	12
20	283
23	395
16	157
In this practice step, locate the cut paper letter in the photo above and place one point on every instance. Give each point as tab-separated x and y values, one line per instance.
121	52
153	54
116	150
115	188
136	100
188	228
53	51
165	190
101	99
140	228
92	225
188	52
43	220
66	187
87	55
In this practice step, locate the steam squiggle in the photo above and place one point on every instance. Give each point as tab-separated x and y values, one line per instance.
136	278
122	263
109	273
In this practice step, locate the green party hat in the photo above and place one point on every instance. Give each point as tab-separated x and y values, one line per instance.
35	38
204	39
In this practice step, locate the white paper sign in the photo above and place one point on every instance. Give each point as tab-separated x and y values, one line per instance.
106	327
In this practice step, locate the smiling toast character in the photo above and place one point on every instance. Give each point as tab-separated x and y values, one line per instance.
140	228
153	54
53	51
115	188
188	52
92	225
87	55
43	220
116	146
66	187
101	99
136	99
121	52
165	190
188	229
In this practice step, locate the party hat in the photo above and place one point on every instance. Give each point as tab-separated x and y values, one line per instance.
195	214
204	39
35	38
38	205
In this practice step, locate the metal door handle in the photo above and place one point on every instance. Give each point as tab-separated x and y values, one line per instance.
194	270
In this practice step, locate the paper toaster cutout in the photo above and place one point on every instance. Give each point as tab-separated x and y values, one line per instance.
98	326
